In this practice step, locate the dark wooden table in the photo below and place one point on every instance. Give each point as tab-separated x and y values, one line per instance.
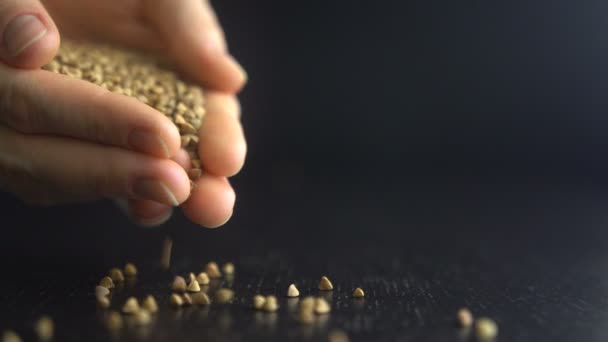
438	154
533	260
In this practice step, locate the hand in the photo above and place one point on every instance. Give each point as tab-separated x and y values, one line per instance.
67	140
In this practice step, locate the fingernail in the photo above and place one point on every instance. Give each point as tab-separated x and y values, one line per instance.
223	223
148	143
22	32
154	190
146	222
153	222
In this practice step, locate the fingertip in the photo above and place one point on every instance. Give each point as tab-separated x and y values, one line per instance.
235	158
213	226
176	179
223	158
29	41
222	144
238	75
163	181
39	53
211	203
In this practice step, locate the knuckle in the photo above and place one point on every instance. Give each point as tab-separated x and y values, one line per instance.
14	108
94	129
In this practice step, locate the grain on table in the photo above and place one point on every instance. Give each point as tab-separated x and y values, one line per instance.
179	284
292	291
149	304
131	306
464	317
224	296
486	329
358	293
325	284
130	270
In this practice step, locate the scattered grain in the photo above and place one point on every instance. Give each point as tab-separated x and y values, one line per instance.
271	304
149	303
464	317
187	300
165	254
306	316
131	306
176	300
202	278
193	286
292	291
325	284
103	302
195	174
321	306
106	282
486	329
224	296
101	291
179	284
200	298
10	336
130	270
337	336
212	270
307	303
228	268
258	302
114	321
116	275
44	328
142	317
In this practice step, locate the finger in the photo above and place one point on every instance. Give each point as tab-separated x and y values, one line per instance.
86	170
197	44
182	158
222	145
29	36
41	102
145	213
211	201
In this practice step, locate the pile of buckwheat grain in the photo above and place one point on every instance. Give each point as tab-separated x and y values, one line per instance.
144	78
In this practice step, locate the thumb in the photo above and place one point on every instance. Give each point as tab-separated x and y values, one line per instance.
29	36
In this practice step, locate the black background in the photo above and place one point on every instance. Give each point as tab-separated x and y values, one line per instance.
462	143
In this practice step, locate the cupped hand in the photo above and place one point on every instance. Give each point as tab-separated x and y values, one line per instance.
65	140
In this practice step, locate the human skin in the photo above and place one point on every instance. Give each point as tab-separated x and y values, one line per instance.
65	140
